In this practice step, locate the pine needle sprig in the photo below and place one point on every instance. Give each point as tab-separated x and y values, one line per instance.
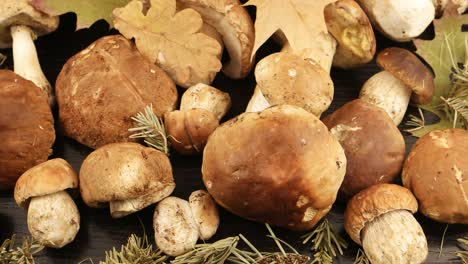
217	252
361	258
151	128
463	253
24	254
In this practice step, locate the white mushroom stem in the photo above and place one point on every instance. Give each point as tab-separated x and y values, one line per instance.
26	62
257	102
53	219
388	93
206	97
394	237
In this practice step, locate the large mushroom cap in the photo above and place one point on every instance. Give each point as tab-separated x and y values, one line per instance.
280	166
20	12
373	202
103	86
26	127
436	171
374	147
410	70
285	78
50	177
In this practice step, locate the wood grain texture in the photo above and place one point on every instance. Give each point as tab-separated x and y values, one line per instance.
99	232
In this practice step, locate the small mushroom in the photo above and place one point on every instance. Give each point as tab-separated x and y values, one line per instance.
436	171
404	76
441	5
205	212
286	78
399	20
20	23
126	176
53	218
374	147
175	228
281	166
26	127
233	22
201	108
381	219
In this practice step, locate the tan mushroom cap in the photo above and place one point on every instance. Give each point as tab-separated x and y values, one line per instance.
26	127
373	202
20	12
280	166
285	78
234	23
206	97
49	177
408	68
436	171
351	28
374	147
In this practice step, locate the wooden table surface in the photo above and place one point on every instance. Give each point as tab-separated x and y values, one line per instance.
99	232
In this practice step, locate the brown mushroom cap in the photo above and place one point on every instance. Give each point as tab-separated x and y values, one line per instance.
349	25
374	147
26	127
436	171
285	78
373	202
409	69
20	12
280	166
49	177
103	86
189	130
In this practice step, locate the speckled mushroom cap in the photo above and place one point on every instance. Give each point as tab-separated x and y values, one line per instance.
49	177
280	166
409	69
20	12
374	147
285	78
436	171
373	202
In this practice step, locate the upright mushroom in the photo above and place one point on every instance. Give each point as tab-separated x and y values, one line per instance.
404	76
26	127
53	218
280	166
381	219
20	23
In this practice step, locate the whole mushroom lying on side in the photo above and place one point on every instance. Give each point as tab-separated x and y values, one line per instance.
280	166
26	127
53	218
20	23
436	171
381	219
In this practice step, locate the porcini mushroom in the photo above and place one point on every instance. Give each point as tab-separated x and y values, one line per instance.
286	78
436	171
369	137
404	76
126	176
20	23
205	212
399	20
53	218
201	108
281	166
102	87
441	5
27	127
233	22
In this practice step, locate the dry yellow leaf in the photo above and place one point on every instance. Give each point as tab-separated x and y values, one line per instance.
171	40
301	21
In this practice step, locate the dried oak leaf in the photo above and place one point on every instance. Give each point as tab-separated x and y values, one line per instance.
301	21
171	40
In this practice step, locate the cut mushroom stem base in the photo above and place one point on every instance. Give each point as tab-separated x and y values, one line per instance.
26	62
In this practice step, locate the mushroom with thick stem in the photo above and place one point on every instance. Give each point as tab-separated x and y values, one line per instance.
201	108
53	218
404	77
399	20
205	212
19	24
381	219
441	5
